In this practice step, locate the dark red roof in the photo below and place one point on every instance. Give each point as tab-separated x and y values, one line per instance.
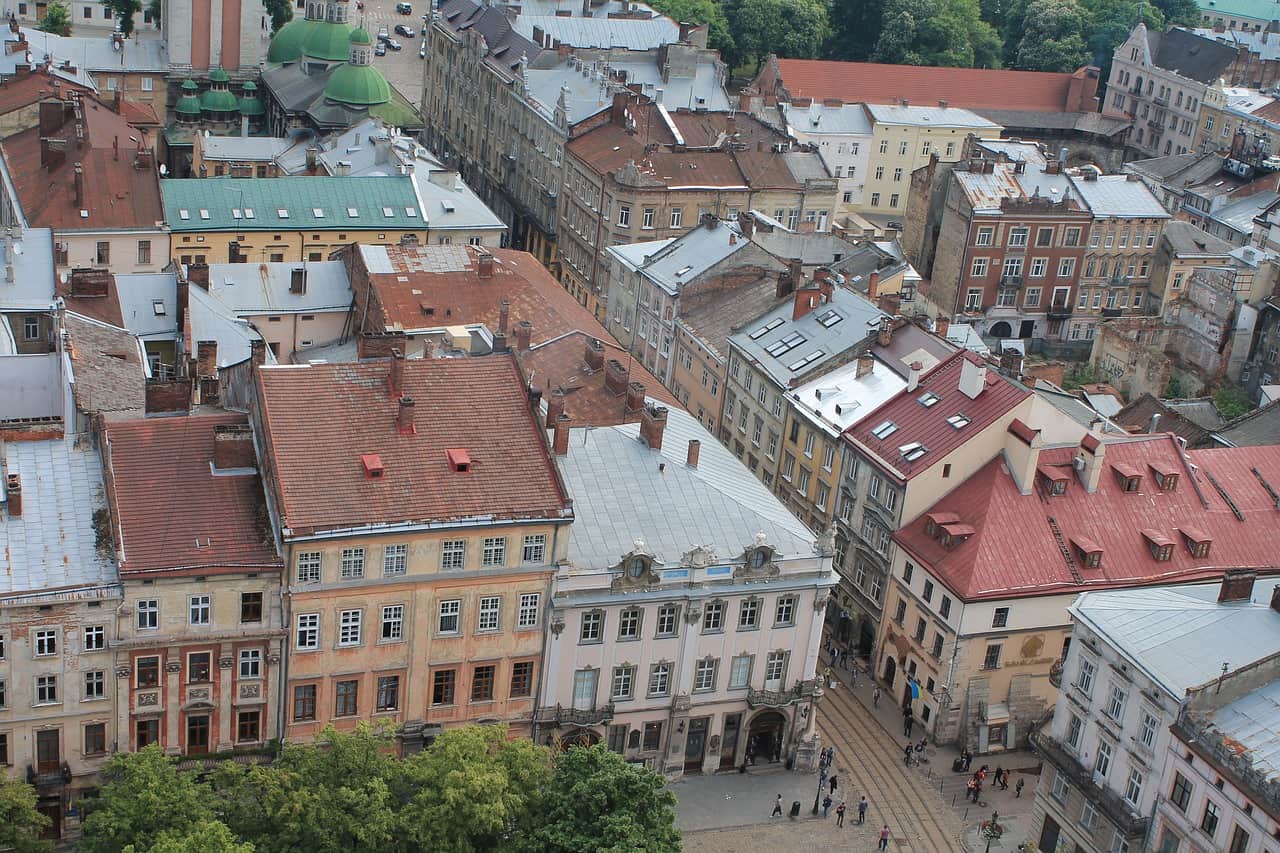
968	88
917	423
322	419
28	87
1014	550
173	512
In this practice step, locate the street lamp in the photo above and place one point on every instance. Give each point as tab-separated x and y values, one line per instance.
822	780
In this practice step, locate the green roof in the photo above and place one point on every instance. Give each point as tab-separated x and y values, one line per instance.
286	45
328	42
397	112
251	106
364	203
358	85
219	76
219	101
360	36
1262	10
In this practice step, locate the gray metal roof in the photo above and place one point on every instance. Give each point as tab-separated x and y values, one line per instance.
822	336
52	546
98	54
1186	239
929	116
31	255
817	119
212	321
687	256
264	288
630	33
620	495
1117	196
1266	45
263	148
149	304
1251	725
1180	635
550	8
1239	215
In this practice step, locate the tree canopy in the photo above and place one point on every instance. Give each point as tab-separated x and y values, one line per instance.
20	822
937	32
57	19
123	11
707	13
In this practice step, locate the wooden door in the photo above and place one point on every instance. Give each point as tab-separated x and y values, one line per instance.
48	754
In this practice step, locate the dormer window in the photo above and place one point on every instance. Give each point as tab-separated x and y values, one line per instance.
934	521
913	451
1161	546
1197	541
954	533
759	557
884	430
638	566
1087	551
1166	478
1129	478
1053	481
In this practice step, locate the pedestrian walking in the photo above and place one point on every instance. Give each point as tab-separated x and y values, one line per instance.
875	697
862	810
832	782
840	814
968	760
884	837
1017	789
826	806
906	755
777	807
907	723
995	780
1004	781
969	787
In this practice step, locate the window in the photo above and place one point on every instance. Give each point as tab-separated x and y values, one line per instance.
973	299
624	216
660	679
393	622
521	679
453	554
482	678
198	667
535	548
668	620
148	615
146	732
921	627
308	631
1103	762
944	609
200	607
624	682
749	614
646	220
1115	703
775	668
1075	729
95	740
1084	681
144	252
704	675
304	703
986	236
713	617
897	175
148	671
1001	618
308	567
652	736
46	643
1018	237
677	216
1133	787
1239	841
349	627
46	689
1212	814
1149	726
490	610
629	624
388	696
1088	816
95	639
250	607
394	560
95	685
1180	796
449	612
250	663
928	591
443	685
1060	788
528	614
31	329
908	568
740	672
1038	267
352	563
901	612
103	254
875	199
494	552
992	658
592	626
937	645
346	698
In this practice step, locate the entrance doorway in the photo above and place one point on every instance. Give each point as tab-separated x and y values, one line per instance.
1000	330
890	670
729	743
695	744
1027	329
48	756
866	636
51	809
1049	834
579	737
197	734
767	736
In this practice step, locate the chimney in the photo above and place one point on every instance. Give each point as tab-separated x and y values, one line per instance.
504	314
484	265
79	185
379	344
884	336
973	379
822	278
806	300
198	274
695	449
594	354
560	438
51	116
1237	585
615	377
395	376
233	447
115	146
1011	363
535	406
1154	424
873	286
1275	598
87	282
13	486
555	405
866	364
258	352
747	225
652	423
404	417
785	285
940	326
1022	454
524	332
206	359
1093	453
913	375
115	108
635	396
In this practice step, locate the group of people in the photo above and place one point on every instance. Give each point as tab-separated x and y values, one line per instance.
914	752
1000	778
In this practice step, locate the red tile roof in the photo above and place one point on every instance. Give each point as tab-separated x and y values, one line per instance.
967	88
561	326
172	511
1014	552
927	425
321	419
26	89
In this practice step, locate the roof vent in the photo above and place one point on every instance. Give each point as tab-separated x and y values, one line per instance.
459	460
372	463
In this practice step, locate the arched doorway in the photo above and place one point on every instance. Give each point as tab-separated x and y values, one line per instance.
866	635
578	737
766	736
890	670
1000	330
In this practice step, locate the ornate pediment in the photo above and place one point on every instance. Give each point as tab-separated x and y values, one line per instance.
699	557
758	559
637	568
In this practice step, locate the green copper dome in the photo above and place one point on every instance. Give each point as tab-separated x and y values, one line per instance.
357	85
219	76
328	42
360	36
286	45
219	101
249	104
188	105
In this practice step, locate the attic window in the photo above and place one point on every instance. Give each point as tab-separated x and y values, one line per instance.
248	213
388	212
934	521
183	213
317	212
1088	551
913	451
1197	541
807	360
353	212
953	533
459	460
766	329
236	213
829	318
410	212
1053	482
928	398
1129	478
785	345
157	305
204	214
1161	546
884	430
959	420
283	213
372	463
1166	480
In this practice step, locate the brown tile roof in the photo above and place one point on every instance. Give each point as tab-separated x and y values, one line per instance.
116	194
173	512
445	279
107	369
967	88
105	308
713	315
766	170
1136	417
708	129
322	419
27	88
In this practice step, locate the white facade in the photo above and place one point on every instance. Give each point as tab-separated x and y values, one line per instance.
842	136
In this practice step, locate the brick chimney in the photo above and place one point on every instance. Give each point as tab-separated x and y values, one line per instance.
484	264
615	377
822	278
884	336
653	421
873	286
785	285
524	334
504	315
395	376
13	487
695	450
258	352
940	326
206	359
198	274
535	406
89	282
560	438
635	396
1089	462
404	417
806	299
708	221
866	364
1237	585
594	356
378	344
913	375
555	405
233	447
1011	362
747	225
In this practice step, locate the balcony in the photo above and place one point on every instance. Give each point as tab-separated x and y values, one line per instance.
1112	312
1055	672
781	698
49	779
1011	281
562	716
1059	310
1120	813
1161	100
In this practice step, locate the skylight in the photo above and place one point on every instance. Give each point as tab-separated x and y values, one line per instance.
388	212
282	213
157	305
766	329
807	360
913	451
885	429
959	420
183	213
204	214
785	345
829	318
248	213
410	212
353	212
235	213
927	399
683	271
317	212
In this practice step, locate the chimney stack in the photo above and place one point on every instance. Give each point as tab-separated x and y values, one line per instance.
695	449
395	376
1022	454
785	285
653	421
884	336
873	286
504	314
866	364
484	264
822	278
555	405
258	352
206	359
404	417
973	379
806	299
13	486
594	354
635	396
1237	585
535	406
1093	454
524	333
615	377
1275	598
913	375
940	326
198	274
233	447
1011	362
560	438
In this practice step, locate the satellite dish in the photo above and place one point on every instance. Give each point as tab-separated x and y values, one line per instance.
164	170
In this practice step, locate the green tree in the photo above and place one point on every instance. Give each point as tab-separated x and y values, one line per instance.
281	12
57	19
937	32
20	822
790	28
207	836
1110	22
1180	12
856	26
1176	389
1053	37
144	797
1232	402
597	801
707	13
123	11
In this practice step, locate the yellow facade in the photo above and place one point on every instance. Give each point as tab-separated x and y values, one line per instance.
220	247
897	150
